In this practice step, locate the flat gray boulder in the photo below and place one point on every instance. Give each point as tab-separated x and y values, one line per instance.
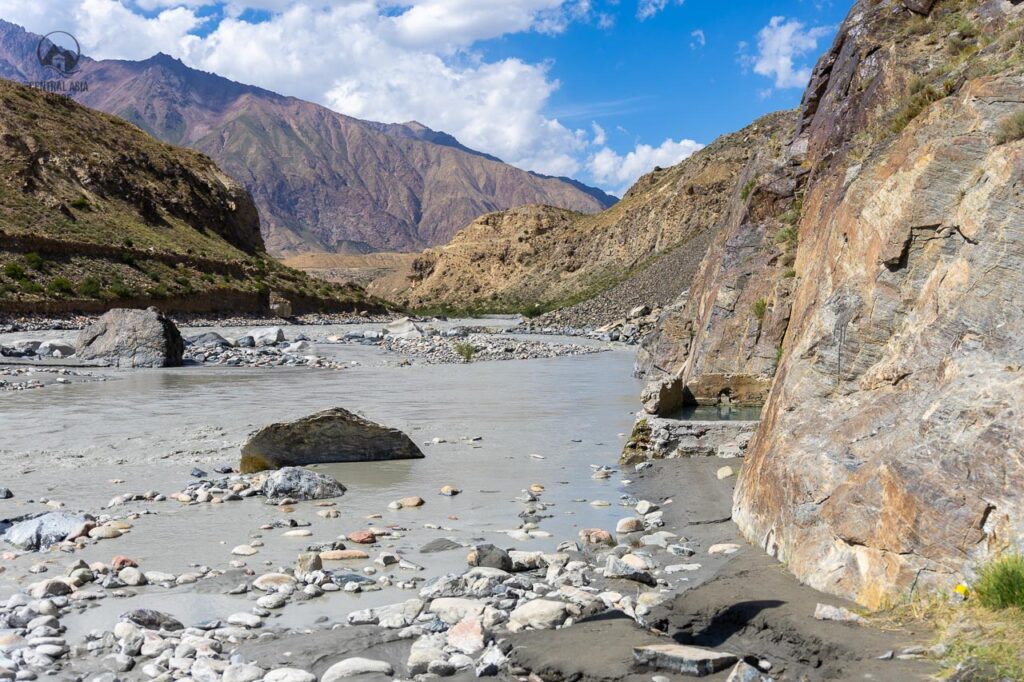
47	529
126	337
300	484
334	435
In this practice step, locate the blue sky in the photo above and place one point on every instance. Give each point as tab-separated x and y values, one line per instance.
656	80
601	90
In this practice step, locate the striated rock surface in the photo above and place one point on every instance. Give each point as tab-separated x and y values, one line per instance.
538	257
890	451
334	435
131	338
719	342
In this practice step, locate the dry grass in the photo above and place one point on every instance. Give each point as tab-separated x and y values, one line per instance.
1011	128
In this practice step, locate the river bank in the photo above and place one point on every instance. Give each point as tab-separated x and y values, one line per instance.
532	445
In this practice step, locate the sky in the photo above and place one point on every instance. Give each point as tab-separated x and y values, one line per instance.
599	90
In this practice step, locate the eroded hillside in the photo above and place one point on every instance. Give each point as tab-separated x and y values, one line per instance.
539	258
95	212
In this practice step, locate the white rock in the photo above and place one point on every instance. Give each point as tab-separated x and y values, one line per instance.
540	614
351	667
289	675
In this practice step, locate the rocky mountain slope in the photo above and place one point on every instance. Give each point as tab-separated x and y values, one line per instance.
95	213
321	181
537	258
881	251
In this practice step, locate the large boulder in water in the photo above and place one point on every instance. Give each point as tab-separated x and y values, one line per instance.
126	337
300	484
39	532
334	435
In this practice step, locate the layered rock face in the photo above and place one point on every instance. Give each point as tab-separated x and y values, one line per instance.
543	257
334	435
890	453
719	343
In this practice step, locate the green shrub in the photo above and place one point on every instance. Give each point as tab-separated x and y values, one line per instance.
1011	128
914	105
465	350
90	287
119	289
157	291
35	261
60	286
532	311
1000	584
789	274
788	237
14	271
81	203
30	287
747	189
759	308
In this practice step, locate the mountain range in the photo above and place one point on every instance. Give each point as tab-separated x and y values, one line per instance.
322	181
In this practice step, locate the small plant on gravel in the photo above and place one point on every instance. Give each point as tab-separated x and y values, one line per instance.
35	261
1000	584
465	350
119	289
532	311
14	271
1011	128
90	287
60	286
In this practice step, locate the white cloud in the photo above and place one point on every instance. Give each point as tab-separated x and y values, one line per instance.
699	39
620	172
648	8
382	60
780	44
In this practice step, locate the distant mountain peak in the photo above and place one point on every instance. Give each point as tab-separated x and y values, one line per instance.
320	179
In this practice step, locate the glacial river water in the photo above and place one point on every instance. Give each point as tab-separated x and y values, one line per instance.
150	427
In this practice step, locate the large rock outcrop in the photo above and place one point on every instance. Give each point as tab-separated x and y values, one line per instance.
123	337
539	257
719	342
334	435
890	453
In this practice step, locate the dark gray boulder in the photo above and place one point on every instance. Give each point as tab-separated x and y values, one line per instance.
152	620
208	339
334	435
39	532
126	337
490	557
300	484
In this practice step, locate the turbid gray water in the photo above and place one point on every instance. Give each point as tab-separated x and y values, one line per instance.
539	421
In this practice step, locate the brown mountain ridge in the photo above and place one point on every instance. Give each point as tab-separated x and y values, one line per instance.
321	181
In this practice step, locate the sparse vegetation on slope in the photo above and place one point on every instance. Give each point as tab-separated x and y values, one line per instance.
94	211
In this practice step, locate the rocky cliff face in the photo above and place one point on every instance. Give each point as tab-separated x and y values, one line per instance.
889	455
542	257
321	181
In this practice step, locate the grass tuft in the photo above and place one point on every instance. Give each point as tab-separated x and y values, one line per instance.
1011	128
1000	584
